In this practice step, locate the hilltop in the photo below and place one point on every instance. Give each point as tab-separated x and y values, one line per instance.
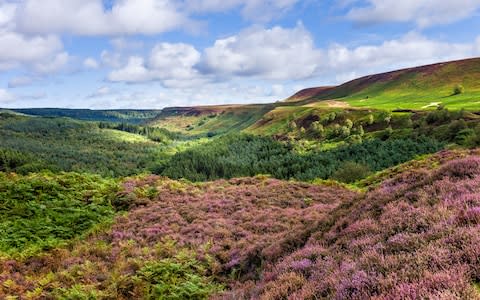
413	88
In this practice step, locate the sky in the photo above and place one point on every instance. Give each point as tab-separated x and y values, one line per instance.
145	54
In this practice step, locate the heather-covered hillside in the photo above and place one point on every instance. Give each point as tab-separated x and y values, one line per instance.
416	236
178	241
413	236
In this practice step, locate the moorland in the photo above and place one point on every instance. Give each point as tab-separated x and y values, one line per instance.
366	190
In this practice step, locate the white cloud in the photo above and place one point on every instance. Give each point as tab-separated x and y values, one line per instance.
411	50
275	53
56	64
280	55
27	50
19	50
422	12
6	97
134	71
90	63
89	17
170	63
112	60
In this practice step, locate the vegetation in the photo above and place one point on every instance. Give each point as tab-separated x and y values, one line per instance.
121	116
415	88
42	211
359	198
35	144
414	235
244	155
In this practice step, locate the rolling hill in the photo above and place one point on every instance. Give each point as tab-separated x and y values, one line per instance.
413	88
420	89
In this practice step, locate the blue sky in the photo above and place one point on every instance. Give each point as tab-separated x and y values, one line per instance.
157	53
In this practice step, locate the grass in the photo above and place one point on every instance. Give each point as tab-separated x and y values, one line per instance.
211	120
417	88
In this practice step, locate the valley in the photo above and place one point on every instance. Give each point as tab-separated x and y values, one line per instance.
366	190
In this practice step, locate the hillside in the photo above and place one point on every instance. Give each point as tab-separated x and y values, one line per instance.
413	88
212	120
413	236
306	199
420	89
121	115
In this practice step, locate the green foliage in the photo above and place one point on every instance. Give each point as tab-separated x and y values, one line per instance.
180	277
244	155
34	144
458	89
124	116
77	292
292	125
153	133
349	172
41	211
12	160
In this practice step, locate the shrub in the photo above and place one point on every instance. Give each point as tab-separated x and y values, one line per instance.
458	89
180	277
350	172
41	211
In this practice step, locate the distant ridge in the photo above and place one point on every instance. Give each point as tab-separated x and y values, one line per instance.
438	78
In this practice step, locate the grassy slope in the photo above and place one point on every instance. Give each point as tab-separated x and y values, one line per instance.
213	119
413	88
420	88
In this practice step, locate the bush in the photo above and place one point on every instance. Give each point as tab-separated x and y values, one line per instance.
181	277
350	172
458	89
41	211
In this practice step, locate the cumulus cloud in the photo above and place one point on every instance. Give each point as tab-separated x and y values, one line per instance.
276	53
90	63
170	63
283	54
422	12
35	52
411	50
20	49
90	17
134	71
55	64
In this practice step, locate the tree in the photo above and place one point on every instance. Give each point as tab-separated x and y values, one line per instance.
350	172
458	89
370	119
360	130
348	123
318	129
292	125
